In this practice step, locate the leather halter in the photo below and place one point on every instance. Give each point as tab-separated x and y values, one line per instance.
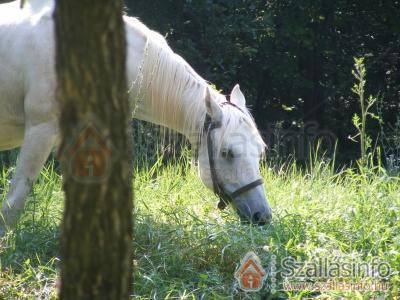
225	197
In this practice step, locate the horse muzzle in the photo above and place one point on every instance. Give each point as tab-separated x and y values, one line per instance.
253	208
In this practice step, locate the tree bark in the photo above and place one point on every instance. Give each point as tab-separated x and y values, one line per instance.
95	153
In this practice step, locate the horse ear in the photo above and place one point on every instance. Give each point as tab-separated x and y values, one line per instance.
237	97
213	109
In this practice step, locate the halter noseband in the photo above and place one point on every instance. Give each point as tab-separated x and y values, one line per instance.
225	197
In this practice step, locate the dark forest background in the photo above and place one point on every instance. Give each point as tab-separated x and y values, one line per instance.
293	60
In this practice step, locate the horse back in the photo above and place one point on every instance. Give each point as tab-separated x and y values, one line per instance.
27	67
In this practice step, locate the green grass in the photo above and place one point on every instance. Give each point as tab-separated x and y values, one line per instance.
186	249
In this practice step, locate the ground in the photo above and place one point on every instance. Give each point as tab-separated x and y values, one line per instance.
186	249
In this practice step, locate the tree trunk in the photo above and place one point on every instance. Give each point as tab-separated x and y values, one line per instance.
95	152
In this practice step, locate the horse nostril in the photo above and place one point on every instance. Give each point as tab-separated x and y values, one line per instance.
256	217
260	219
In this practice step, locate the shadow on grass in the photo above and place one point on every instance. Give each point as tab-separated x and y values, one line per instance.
175	253
32	244
198	258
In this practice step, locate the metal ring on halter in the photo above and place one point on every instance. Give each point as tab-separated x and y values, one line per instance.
225	198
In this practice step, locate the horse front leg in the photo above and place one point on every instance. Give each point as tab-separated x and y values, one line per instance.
38	142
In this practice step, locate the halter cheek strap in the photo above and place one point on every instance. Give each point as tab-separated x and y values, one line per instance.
225	197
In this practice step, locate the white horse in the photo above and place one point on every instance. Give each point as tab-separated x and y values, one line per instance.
164	89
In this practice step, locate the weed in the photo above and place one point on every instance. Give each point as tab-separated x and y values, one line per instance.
184	248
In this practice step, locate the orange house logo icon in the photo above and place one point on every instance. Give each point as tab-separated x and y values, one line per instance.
251	274
89	157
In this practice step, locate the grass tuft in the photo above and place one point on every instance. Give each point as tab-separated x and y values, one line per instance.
185	248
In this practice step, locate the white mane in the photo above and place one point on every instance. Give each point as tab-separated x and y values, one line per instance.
167	85
176	93
169	92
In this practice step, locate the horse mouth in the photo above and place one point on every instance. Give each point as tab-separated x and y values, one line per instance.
256	220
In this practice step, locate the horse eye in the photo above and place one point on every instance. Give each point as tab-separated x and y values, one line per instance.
227	154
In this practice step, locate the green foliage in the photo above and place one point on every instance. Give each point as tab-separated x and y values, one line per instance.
360	74
186	249
288	54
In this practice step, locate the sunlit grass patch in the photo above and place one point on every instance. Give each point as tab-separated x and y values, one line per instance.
185	248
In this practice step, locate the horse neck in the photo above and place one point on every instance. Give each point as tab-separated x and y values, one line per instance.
167	92
185	116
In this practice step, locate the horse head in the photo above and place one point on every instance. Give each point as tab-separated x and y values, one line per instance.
229	155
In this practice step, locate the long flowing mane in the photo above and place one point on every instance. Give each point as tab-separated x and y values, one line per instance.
174	92
167	84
